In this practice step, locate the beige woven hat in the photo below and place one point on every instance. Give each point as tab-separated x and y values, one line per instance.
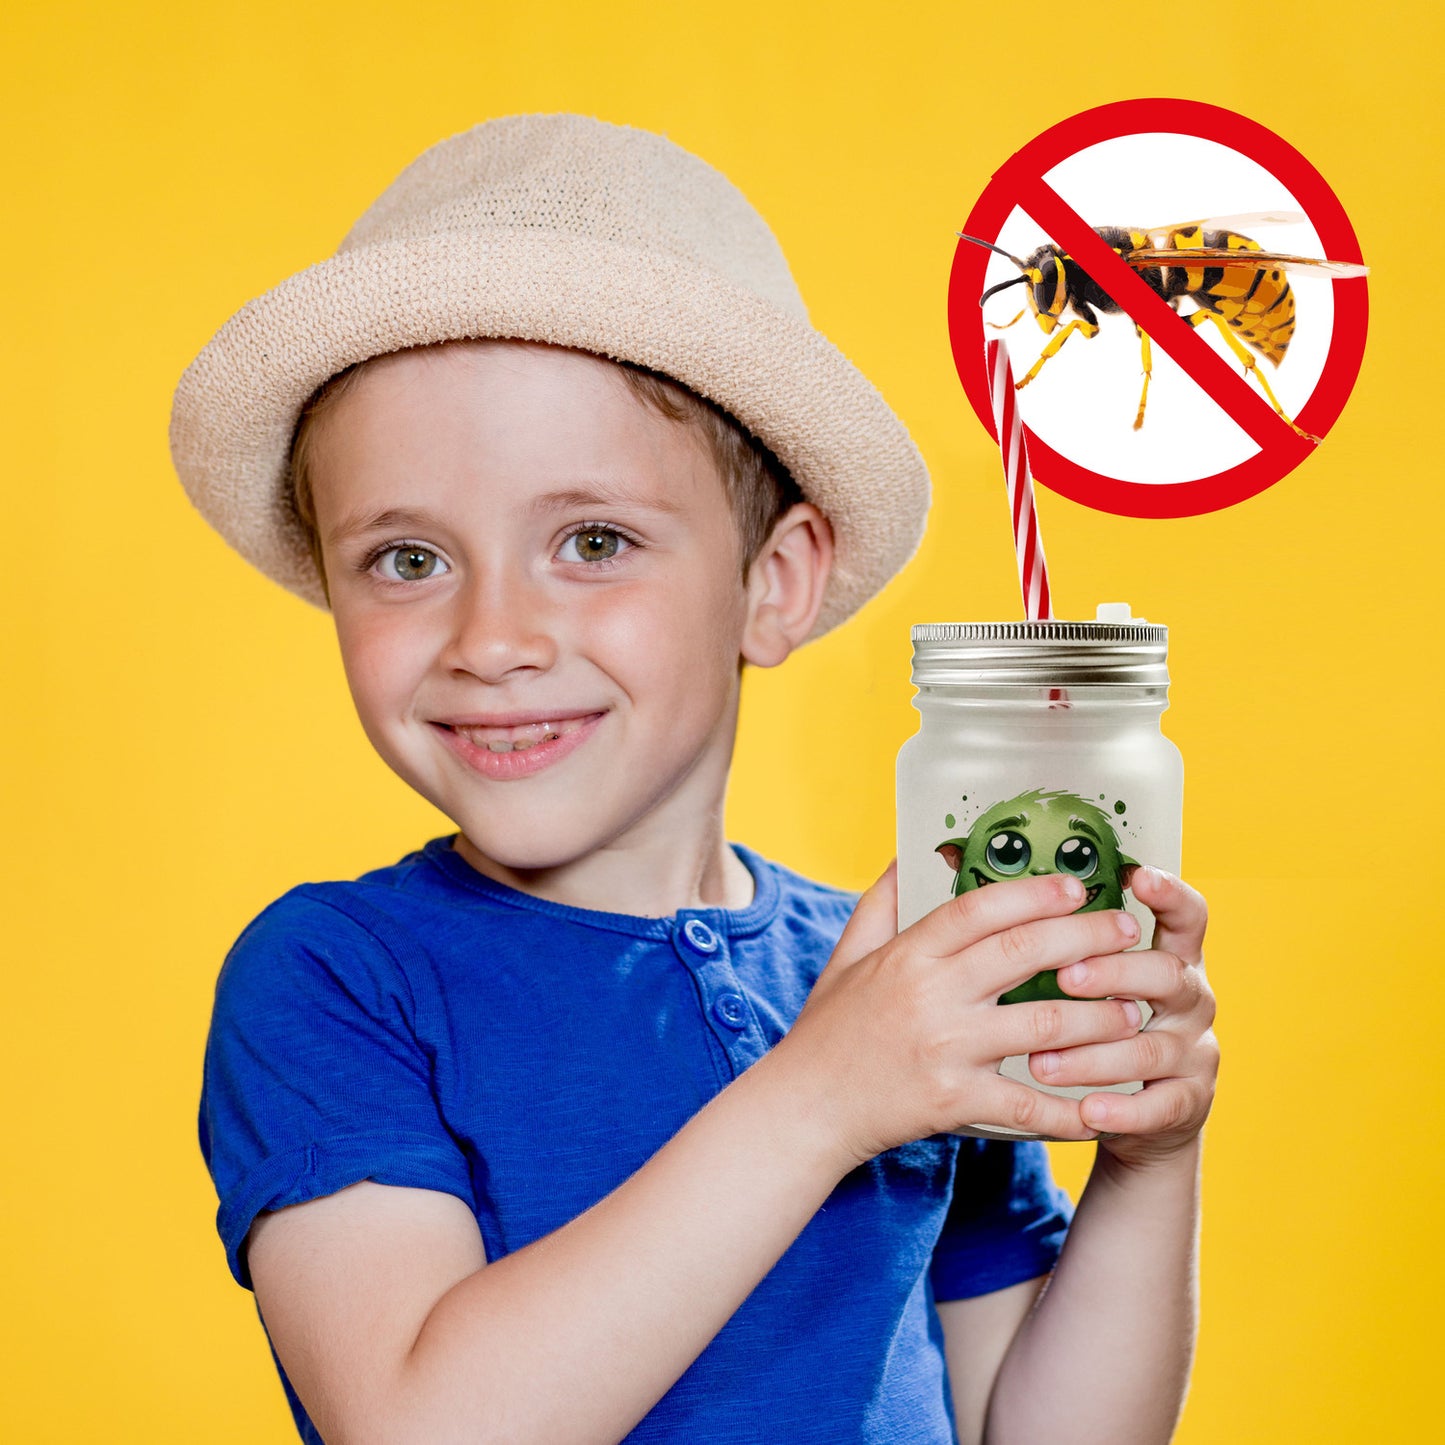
562	229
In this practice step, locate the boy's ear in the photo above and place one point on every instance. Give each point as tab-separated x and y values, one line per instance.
785	585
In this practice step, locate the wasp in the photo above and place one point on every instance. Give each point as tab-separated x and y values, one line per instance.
1234	283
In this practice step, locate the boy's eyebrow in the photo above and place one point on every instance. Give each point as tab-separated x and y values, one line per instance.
392	519
602	494
403	519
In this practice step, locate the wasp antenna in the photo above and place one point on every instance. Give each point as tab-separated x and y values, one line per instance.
989	245
1002	286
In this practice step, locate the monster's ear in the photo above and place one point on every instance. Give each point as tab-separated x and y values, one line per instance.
1127	865
952	852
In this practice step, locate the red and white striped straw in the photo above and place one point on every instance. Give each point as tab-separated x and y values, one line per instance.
1033	570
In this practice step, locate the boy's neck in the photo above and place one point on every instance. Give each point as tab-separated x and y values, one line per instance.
637	880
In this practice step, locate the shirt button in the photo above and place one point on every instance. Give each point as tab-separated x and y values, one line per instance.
699	935
728	1008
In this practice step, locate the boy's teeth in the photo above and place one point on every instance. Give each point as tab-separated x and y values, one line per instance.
520	745
519	739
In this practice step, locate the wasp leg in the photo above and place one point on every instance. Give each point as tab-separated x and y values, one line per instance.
1198	318
1005	326
1090	330
1146	356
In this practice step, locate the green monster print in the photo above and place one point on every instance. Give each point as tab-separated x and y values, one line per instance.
1042	832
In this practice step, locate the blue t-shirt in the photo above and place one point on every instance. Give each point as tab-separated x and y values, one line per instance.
425	1026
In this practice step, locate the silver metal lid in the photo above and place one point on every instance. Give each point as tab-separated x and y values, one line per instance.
1041	654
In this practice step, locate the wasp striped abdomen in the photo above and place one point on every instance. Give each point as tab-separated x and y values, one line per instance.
1256	303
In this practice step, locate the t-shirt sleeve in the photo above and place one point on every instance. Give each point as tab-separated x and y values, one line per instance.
315	1075
1006	1221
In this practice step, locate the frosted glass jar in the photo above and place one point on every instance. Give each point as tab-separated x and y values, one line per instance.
1039	751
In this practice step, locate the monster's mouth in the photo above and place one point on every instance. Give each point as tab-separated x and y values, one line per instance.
1089	895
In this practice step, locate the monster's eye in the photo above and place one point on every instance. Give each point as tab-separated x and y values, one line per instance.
1077	857
1008	852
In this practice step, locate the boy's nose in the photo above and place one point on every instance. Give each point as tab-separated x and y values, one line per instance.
502	625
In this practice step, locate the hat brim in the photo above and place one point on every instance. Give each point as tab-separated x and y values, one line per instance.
237	405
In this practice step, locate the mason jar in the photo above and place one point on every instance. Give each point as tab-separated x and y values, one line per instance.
1039	750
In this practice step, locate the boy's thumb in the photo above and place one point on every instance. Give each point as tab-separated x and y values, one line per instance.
874	921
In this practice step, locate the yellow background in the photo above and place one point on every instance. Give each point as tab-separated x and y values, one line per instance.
181	748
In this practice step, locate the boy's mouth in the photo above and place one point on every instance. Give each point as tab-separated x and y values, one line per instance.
496	739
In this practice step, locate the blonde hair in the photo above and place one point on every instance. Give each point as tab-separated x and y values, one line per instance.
758	486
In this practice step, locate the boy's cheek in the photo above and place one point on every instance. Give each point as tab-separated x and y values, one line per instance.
695	626
382	673
365	654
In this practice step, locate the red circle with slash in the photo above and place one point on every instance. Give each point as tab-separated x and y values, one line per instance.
1020	182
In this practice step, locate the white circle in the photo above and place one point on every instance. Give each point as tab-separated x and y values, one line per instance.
1084	400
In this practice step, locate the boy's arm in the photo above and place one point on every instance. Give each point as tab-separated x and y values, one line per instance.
392	1329
976	1335
1105	1355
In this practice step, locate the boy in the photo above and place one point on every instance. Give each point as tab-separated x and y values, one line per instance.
584	1125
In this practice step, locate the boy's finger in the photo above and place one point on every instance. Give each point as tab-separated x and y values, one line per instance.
1052	1024
982	912
1180	913
874	921
1167	1106
1004	1103
1165	980
1156	1054
1005	959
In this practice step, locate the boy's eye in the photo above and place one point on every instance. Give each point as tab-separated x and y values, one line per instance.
1077	857
411	563
593	544
1008	852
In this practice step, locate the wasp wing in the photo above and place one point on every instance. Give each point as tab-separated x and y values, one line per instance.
1254	260
1255	218
1160	235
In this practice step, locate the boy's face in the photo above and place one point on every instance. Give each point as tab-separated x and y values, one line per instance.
537	587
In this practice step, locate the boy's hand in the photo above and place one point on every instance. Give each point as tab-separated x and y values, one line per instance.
1176	1054
902	1034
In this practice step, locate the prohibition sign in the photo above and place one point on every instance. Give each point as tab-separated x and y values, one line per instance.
1020	182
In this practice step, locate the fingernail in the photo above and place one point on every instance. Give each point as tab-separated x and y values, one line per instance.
1095	1111
1046	1064
1129	926
1132	1014
1072	889
1076	975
